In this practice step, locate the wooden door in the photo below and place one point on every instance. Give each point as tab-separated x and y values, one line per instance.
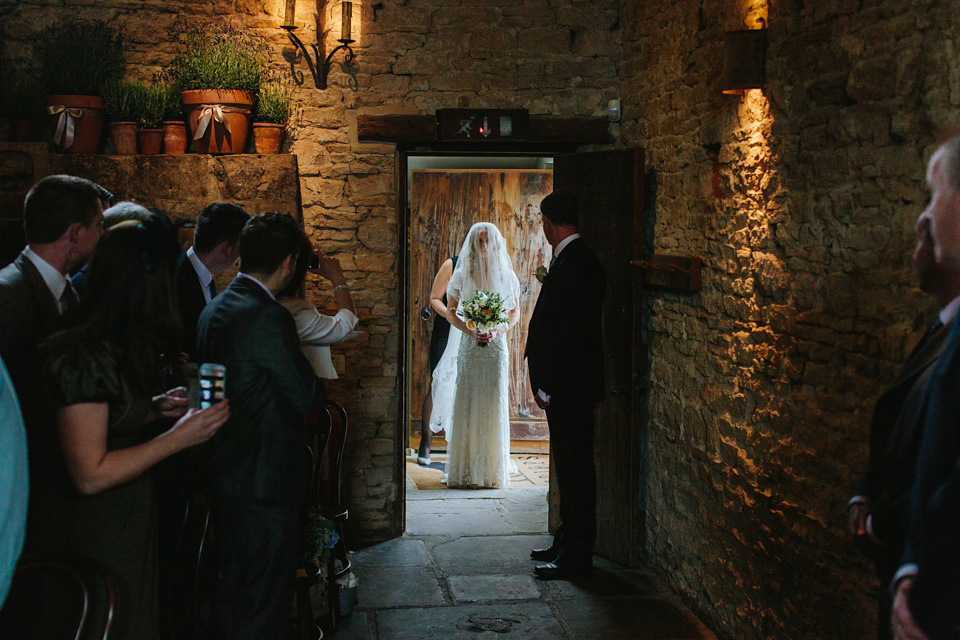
444	204
609	187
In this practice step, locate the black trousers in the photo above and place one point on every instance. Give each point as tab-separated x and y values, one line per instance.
258	562
571	445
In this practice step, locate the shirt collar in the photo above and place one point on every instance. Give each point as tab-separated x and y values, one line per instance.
55	281
950	311
203	274
563	243
262	286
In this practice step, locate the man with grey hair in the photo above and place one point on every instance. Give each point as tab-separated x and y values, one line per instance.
927	584
120	212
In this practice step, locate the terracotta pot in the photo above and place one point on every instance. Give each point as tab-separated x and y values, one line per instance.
226	136
174	137
124	136
151	141
267	137
86	113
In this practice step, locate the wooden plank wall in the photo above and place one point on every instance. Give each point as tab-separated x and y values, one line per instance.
443	206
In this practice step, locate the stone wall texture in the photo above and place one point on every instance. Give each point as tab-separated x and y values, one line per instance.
800	200
762	385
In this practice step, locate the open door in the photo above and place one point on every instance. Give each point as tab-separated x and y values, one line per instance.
609	187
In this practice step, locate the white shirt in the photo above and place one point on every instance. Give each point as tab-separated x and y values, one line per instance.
949	312
262	286
56	282
317	331
203	274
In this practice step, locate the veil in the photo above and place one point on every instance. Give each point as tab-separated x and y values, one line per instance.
483	264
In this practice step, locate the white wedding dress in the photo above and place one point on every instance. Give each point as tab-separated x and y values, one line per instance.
471	394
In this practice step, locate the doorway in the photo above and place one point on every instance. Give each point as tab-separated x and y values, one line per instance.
445	196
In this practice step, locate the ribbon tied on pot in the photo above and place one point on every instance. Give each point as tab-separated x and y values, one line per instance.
66	124
215	113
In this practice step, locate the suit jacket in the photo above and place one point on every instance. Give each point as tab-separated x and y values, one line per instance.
934	526
28	313
565	337
895	430
259	453
190	302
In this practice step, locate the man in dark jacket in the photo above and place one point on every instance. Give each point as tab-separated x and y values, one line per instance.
256	464
565	355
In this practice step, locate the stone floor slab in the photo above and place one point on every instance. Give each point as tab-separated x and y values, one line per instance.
535	621
492	588
488	555
641	619
481	522
398	587
394	553
604	584
356	626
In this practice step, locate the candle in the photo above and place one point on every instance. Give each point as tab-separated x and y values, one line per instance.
290	13
347	8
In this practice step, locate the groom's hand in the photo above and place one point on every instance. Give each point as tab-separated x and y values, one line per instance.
542	399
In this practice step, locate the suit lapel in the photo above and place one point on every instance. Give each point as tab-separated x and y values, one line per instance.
919	360
47	306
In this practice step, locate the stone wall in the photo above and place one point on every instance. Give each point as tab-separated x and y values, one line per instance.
413	56
762	385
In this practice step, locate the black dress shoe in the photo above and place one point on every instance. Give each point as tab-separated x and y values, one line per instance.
548	554
561	570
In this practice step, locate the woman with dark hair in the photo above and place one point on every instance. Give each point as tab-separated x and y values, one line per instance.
103	381
316	330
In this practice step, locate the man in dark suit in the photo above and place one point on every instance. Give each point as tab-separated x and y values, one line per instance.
255	464
878	510
927	584
565	355
214	250
61	221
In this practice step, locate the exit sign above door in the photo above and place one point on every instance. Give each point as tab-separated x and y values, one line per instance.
479	125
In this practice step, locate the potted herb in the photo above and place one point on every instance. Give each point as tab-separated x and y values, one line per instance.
150	123
270	116
20	102
122	102
79	59
174	128
218	71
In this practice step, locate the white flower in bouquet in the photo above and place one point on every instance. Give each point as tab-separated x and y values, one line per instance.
483	312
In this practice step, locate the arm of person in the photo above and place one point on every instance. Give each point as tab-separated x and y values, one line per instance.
439	289
902	622
329	267
82	429
513	316
317	330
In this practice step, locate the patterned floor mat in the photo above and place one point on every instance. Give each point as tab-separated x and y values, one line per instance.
533	470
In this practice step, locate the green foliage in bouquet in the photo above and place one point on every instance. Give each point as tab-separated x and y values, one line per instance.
273	103
319	536
81	57
123	101
218	57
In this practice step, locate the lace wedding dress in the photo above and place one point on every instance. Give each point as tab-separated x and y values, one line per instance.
470	387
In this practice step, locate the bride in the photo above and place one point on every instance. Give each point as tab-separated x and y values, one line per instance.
470	385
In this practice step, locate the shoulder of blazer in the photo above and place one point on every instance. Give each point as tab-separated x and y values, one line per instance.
22	273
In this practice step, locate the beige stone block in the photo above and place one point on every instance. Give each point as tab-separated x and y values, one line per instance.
378	233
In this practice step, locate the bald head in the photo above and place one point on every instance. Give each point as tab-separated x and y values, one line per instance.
943	210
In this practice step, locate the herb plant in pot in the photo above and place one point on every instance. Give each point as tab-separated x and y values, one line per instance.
174	129
270	117
123	102
20	102
79	58
218	70
150	131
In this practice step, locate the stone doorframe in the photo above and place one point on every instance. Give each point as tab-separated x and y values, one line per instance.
417	135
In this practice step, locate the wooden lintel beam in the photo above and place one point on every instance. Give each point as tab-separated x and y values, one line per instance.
423	129
676	273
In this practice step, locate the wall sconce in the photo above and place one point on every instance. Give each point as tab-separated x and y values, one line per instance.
321	67
744	60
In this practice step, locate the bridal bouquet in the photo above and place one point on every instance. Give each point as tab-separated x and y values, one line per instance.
483	312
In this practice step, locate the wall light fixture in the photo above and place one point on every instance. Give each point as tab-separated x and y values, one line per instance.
319	66
744	60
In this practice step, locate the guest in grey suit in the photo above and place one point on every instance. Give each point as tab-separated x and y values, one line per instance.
877	512
62	218
927	584
256	466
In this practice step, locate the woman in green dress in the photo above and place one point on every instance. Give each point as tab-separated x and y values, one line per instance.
103	381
